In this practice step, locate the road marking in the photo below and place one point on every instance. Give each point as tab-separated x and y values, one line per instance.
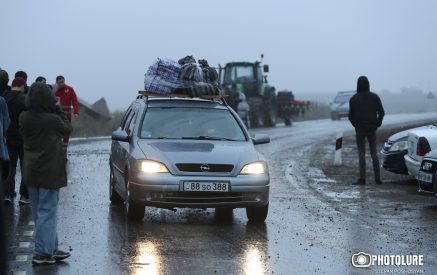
21	258
24	245
28	233
31	223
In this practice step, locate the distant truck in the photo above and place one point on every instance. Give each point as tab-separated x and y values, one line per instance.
340	105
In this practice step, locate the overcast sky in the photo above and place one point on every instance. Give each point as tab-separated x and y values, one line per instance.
104	47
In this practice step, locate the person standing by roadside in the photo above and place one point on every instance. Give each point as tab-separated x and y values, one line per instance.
15	101
67	97
366	114
4	80
4	124
42	127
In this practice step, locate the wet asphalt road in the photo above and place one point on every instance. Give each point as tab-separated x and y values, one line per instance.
308	231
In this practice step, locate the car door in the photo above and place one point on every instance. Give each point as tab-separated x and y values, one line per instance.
117	155
126	148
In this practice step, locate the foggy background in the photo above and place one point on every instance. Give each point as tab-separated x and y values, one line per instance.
314	48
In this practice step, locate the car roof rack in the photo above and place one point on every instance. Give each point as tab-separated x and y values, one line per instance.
147	94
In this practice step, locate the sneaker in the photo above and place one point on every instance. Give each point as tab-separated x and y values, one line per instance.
7	199
60	255
23	200
43	260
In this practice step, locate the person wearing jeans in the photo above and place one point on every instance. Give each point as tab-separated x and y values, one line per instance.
366	114
42	127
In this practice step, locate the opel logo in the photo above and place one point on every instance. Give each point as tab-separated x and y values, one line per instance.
204	168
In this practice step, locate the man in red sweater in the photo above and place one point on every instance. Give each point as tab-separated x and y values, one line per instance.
66	98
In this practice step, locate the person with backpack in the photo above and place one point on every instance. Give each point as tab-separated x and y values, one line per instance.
42	127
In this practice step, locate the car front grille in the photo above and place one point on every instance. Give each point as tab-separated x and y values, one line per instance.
204	197
203	168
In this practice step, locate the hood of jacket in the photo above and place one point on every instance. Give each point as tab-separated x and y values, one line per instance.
40	97
363	84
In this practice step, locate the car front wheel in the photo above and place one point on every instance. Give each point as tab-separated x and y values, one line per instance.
257	214
134	211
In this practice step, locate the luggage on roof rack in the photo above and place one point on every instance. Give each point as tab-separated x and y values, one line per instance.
166	76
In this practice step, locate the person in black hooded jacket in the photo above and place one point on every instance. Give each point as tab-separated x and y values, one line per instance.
16	105
366	114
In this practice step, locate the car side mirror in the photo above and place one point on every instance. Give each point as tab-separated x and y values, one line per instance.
120	135
266	68
260	139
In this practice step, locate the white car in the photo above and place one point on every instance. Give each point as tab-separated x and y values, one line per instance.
420	142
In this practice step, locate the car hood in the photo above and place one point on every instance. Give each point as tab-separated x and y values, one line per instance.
171	152
401	135
339	106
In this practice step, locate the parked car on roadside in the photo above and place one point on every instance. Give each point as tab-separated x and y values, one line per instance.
340	105
394	151
426	178
420	142
187	152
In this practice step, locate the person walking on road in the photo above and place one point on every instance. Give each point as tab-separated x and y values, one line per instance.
67	97
366	114
42	127
15	101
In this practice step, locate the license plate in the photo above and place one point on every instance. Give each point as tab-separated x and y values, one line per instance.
425	177
202	186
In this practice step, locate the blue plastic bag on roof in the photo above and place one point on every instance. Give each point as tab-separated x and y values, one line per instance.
162	76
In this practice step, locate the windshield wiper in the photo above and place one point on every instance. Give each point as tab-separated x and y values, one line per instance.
209	138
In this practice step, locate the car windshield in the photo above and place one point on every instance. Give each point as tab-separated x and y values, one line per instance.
342	98
190	123
239	74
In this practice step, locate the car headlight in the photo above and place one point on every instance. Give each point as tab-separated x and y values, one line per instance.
255	168
150	166
399	146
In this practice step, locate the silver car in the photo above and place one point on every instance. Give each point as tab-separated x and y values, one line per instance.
180	152
340	105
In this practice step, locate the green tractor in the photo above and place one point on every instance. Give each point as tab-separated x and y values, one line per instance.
249	78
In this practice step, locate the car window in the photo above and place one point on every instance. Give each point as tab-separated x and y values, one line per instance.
130	125
125	118
178	123
342	98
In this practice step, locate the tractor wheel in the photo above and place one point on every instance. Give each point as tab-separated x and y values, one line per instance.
269	114
255	118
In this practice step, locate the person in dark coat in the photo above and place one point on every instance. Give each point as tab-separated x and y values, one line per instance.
366	114
15	101
42	127
4	80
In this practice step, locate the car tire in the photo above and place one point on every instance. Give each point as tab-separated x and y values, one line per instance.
257	214
334	116
114	197
134	211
